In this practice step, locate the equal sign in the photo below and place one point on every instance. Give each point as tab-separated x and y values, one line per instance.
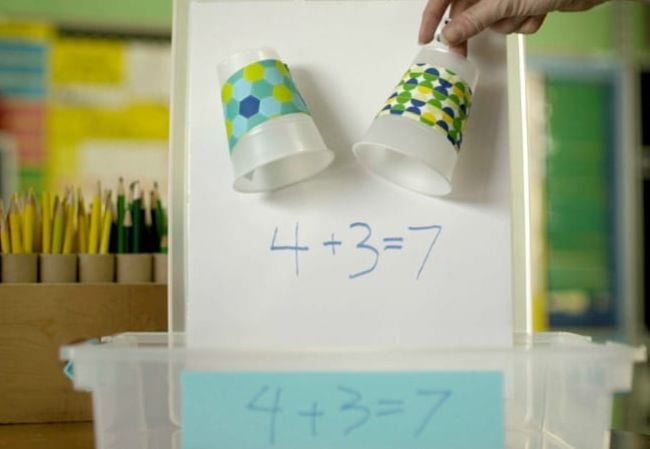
393	243
389	407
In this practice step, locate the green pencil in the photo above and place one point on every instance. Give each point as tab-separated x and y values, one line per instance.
160	212
164	244
121	210
137	217
128	226
161	220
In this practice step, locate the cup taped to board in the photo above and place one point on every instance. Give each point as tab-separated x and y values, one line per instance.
415	139
272	138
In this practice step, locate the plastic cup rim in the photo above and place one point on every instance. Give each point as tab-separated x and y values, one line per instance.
325	150
226	60
356	150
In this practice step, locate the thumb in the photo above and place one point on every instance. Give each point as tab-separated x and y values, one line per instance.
471	21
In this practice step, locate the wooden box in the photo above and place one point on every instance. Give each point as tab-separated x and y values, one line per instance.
37	319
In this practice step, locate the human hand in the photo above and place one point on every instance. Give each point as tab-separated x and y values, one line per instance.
470	17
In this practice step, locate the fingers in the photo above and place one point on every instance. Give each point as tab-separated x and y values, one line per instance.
509	25
457	8
532	24
431	16
472	21
523	25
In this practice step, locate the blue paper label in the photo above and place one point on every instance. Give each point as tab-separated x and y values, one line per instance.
352	410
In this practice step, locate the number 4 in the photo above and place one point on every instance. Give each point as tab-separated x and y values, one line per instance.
273	409
295	247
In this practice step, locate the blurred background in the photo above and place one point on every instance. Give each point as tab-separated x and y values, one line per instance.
84	96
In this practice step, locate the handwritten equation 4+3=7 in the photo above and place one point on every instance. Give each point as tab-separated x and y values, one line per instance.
358	410
365	242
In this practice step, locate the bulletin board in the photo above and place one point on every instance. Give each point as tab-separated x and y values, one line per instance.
345	258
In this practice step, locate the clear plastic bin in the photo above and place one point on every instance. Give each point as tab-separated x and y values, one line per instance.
558	387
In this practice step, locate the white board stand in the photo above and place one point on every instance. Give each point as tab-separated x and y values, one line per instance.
202	186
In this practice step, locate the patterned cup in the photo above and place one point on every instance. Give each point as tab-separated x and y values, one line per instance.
415	139
272	138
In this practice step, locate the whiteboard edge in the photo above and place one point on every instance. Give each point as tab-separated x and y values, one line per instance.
520	182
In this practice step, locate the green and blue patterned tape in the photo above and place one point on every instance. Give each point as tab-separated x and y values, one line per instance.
434	96
257	93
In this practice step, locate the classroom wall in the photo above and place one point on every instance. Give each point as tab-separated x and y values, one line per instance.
138	14
596	34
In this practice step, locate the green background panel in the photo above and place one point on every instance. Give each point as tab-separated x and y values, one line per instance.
576	33
135	14
580	130
31	178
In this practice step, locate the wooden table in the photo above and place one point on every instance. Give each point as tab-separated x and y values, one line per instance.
47	436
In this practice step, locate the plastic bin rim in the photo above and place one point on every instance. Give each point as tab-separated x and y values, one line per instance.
157	349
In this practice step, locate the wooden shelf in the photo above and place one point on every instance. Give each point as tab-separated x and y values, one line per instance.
37	319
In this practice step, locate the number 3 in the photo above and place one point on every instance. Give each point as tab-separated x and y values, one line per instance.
364	245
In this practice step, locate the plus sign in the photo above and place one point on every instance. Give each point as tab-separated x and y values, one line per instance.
332	243
313	414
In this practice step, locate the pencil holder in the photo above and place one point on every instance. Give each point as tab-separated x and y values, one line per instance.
58	268
134	268
272	138
96	268
160	268
19	268
415	139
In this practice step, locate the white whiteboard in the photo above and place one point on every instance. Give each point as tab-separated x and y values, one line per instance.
345	56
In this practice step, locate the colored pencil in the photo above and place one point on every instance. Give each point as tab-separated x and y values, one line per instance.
82	224
68	236
128	226
95	222
121	211
107	221
29	223
137	218
58	227
5	243
14	227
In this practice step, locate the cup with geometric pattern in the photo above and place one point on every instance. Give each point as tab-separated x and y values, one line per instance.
272	138
415	138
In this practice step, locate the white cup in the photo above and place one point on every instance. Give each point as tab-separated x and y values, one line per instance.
272	138
407	142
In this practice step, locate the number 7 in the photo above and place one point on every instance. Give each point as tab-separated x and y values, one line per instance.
438	230
441	397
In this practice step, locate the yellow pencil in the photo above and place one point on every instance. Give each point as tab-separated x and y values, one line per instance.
68	238
38	227
57	228
2	211
106	225
95	217
5	244
53	200
14	227
82	225
29	223
47	222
